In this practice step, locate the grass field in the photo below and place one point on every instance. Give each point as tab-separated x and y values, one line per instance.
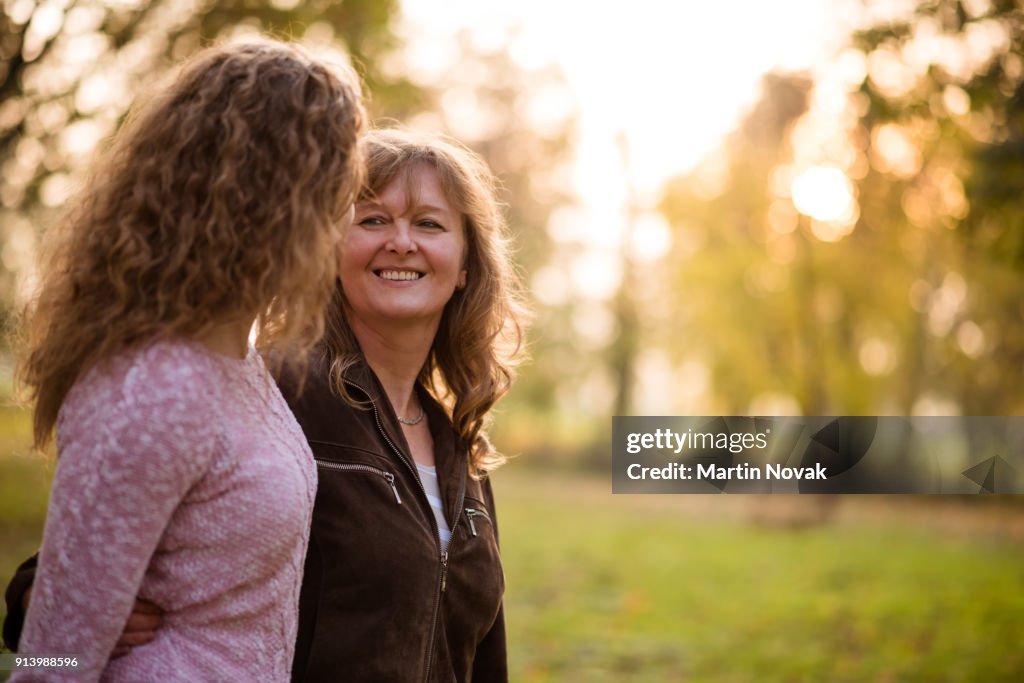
715	588
604	588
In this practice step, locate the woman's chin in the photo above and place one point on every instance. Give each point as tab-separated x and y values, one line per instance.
395	313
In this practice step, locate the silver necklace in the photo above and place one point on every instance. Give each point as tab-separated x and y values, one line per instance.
413	421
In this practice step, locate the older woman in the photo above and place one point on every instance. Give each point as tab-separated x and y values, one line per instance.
403	578
182	476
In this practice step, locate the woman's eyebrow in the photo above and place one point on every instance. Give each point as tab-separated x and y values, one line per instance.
431	207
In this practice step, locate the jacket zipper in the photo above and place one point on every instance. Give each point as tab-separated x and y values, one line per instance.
388	476
473	512
443	578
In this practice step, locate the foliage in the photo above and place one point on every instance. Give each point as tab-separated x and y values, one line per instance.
914	303
963	109
69	70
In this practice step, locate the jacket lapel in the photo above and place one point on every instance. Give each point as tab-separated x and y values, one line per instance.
452	465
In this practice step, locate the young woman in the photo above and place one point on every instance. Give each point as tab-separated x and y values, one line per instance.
403	578
182	477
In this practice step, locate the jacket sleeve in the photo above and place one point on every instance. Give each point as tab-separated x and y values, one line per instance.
490	663
16	590
491	660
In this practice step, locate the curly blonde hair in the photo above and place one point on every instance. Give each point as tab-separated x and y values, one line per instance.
480	339
222	197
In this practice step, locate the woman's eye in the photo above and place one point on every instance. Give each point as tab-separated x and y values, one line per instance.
431	224
371	220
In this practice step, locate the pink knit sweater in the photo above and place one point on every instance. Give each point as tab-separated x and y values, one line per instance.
184	479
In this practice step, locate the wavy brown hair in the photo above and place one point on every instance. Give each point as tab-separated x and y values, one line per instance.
221	197
480	339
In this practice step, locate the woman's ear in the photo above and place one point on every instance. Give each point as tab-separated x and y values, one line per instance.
462	279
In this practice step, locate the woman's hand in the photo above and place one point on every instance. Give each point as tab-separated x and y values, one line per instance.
143	623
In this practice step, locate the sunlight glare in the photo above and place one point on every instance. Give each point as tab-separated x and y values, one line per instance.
956	100
971	339
877	357
893	151
55	190
45	24
550	286
594	324
676	82
824	193
596	274
80	138
651	237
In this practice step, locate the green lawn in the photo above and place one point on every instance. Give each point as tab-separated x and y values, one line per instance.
661	588
614	588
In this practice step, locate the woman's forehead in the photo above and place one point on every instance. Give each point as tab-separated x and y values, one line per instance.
418	186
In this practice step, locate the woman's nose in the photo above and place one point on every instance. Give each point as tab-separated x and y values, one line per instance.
401	240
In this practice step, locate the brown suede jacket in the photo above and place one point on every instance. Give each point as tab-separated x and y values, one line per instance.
380	600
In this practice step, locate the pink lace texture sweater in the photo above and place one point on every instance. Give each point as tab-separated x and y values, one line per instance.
183	479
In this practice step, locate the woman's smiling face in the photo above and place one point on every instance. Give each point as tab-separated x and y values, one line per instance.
404	255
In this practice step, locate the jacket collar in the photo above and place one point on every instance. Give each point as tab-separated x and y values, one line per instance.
452	463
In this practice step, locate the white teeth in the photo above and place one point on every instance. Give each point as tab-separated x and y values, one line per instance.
400	275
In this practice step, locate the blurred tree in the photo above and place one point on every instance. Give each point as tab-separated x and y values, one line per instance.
911	300
943	117
68	72
744	313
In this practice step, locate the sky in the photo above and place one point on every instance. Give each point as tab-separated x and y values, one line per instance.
655	85
673	76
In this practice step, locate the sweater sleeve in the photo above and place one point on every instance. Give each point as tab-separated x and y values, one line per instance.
130	446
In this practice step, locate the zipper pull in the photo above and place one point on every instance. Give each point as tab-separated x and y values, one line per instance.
391	480
444	570
469	518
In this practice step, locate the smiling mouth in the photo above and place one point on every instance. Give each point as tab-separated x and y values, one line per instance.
398	275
